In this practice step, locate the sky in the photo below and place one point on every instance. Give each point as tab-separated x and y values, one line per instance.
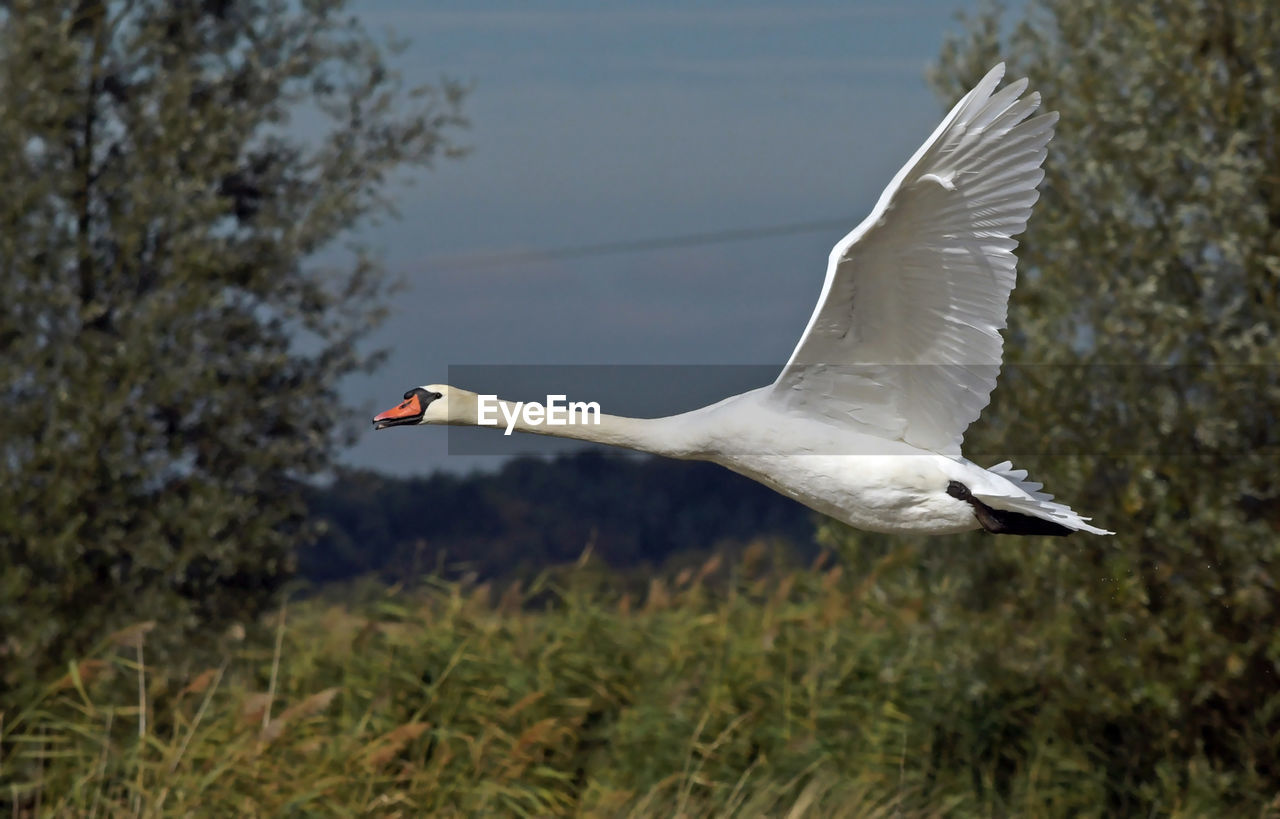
595	123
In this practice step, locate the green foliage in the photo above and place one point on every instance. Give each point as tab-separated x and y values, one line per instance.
535	513
169	343
1145	392
728	691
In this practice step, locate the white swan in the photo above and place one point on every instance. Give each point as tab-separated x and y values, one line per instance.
902	352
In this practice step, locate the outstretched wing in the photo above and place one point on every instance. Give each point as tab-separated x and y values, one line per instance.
905	339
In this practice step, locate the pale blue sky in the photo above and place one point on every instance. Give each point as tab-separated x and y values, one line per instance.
600	122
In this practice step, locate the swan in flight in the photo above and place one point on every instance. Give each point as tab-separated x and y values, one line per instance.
901	354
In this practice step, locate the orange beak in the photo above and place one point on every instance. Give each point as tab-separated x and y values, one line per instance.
408	411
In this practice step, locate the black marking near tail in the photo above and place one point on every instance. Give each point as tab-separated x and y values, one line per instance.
1004	522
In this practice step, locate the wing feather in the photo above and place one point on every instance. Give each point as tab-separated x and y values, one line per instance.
905	339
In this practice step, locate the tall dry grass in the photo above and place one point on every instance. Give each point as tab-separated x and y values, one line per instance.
726	691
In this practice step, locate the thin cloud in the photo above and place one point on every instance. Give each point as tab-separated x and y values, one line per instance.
780	67
622	17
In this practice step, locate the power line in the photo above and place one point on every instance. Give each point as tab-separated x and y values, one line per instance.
483	261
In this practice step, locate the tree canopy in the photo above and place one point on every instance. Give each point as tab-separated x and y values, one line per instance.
171	336
534	514
1143	388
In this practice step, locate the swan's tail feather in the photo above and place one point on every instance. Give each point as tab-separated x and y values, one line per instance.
1020	496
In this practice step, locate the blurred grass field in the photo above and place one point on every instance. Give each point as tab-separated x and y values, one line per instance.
737	688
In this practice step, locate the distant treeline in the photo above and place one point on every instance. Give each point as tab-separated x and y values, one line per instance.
535	513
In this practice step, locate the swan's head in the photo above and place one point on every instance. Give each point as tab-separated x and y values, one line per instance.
430	404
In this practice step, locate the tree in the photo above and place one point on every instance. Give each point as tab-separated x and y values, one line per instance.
171	337
1144	389
536	514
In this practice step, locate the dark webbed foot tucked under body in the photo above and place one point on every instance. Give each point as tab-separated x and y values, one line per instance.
1002	522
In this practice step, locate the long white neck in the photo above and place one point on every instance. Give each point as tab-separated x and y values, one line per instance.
674	436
